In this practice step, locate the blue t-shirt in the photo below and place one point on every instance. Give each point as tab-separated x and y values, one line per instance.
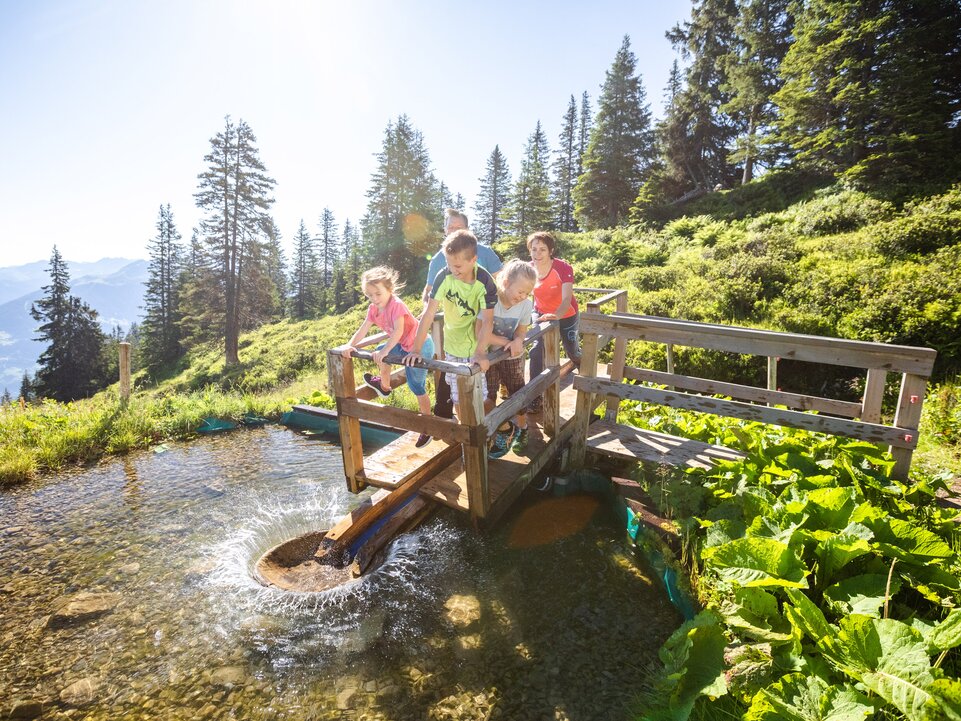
486	259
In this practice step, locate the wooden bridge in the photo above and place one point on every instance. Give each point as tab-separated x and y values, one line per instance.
454	468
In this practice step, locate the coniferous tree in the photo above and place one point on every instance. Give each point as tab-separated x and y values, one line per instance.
873	87
73	364
26	388
492	199
565	170
583	132
328	253
530	206
234	192
6	399
161	331
697	136
276	269
621	149
402	222
304	279
350	245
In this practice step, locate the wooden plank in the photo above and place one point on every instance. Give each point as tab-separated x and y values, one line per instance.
408	517
471	412
772	373
585	406
746	393
633	444
520	400
736	339
870	432
618	360
873	395
400	460
441	428
906	419
341	372
552	401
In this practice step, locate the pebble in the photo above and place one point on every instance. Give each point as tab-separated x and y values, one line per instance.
80	693
28	709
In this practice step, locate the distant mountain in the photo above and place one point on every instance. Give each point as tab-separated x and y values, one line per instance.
19	280
113	287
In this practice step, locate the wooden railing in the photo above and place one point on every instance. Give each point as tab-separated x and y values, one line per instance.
878	359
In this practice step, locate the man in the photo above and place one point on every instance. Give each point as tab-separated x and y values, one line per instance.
454	220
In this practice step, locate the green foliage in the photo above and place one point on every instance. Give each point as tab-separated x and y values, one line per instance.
834	211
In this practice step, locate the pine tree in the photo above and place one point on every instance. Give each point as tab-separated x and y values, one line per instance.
583	132
697	136
328	253
530	206
351	247
565	171
26	388
763	35
6	399
73	364
234	192
873	87
459	202
304	278
621	149
276	270
492	199
161	332
402	222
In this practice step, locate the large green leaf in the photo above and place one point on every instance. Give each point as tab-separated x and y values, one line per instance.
693	658
797	697
909	542
761	562
946	634
945	703
889	657
837	551
862	594
753	613
807	617
830	508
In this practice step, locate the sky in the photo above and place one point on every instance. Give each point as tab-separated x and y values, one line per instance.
107	107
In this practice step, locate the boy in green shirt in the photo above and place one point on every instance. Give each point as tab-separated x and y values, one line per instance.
467	295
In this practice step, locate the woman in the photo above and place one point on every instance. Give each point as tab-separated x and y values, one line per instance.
553	300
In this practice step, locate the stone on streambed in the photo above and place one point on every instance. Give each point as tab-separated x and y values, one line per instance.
462	611
80	693
28	709
81	607
228	676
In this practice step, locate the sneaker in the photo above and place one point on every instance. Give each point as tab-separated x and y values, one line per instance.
422	440
519	445
374	382
545	484
501	443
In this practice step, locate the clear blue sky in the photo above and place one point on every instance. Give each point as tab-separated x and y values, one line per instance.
107	106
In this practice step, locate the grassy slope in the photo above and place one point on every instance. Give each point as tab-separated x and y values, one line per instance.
827	261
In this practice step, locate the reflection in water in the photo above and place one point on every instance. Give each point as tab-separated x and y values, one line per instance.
548	617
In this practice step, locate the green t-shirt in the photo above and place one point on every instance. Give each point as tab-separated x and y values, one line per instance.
462	304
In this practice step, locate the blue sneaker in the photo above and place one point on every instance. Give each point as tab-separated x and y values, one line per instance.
501	443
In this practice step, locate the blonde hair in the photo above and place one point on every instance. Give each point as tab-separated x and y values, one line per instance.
515	270
387	277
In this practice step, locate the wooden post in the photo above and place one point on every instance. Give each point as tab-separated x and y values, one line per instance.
618	361
470	409
772	373
124	371
341	371
873	395
908	417
584	410
437	335
552	396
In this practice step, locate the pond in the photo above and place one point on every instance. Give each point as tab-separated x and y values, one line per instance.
127	593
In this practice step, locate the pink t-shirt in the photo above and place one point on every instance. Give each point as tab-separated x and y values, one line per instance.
387	319
549	290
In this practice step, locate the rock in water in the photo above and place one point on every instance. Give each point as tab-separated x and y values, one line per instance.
228	676
82	607
80	693
26	709
463	611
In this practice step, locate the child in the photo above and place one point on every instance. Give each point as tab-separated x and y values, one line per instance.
467	295
389	313
512	316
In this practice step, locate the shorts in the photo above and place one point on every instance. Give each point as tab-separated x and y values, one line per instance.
452	378
416	377
510	372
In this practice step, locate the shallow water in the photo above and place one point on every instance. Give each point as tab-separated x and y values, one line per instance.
549	617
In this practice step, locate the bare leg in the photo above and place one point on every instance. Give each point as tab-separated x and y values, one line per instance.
384	369
423	403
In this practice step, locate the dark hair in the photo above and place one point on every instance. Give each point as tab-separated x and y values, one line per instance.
460	241
545	237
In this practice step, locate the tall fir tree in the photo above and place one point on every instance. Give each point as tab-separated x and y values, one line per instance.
621	149
234	193
492	199
566	162
697	136
352	258
161	329
26	388
402	223
873	88
328	252
276	262
304	277
584	126
530	205
6	399
73	364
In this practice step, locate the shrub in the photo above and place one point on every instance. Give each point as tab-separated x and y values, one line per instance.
918	234
839	212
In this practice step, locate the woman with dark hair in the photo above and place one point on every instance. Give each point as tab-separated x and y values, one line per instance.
553	300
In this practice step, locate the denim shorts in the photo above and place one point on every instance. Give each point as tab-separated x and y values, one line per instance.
416	377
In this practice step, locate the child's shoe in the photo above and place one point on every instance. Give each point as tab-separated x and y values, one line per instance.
501	443
374	382
422	440
519	445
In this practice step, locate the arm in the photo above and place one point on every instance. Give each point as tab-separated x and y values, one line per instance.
484	338
394	339
423	328
356	338
516	345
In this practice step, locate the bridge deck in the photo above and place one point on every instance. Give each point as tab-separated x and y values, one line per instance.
637	444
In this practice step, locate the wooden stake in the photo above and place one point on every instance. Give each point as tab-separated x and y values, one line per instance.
470	408
341	372
124	371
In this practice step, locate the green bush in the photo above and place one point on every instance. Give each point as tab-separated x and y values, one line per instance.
838	212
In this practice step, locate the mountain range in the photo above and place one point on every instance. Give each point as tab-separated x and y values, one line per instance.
114	287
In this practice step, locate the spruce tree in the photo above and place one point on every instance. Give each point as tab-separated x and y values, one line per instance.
304	278
530	206
327	243
26	388
161	332
565	170
6	399
583	131
234	192
621	149
276	270
492	199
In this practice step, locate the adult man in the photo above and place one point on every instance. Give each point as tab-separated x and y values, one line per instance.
454	220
